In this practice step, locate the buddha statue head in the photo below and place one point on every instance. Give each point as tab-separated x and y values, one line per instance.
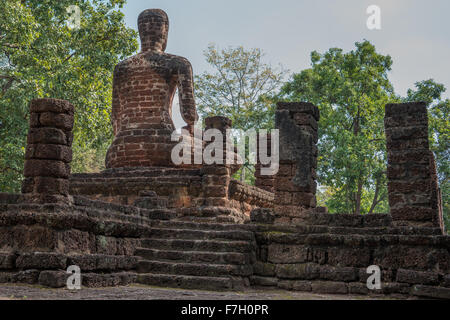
153	25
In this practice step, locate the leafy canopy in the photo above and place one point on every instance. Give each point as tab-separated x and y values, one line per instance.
351	90
40	56
238	88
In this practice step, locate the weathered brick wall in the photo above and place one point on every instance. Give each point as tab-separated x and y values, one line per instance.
45	230
245	198
332	256
330	253
48	152
181	189
411	172
295	182
39	242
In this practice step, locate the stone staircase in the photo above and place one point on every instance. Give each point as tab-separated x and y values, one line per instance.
196	255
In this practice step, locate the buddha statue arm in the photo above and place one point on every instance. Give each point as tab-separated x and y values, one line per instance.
186	94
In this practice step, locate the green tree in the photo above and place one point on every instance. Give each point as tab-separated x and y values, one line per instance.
238	88
351	90
42	56
439	132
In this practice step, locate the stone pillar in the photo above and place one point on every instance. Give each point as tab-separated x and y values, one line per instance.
218	122
411	172
49	152
295	182
216	177
265	182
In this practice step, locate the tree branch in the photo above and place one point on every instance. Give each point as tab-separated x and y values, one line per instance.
8	84
377	200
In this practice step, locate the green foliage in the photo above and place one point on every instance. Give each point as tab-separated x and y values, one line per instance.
239	89
40	56
350	90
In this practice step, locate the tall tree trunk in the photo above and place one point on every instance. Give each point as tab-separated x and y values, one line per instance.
359	192
375	196
242	176
358	197
356	122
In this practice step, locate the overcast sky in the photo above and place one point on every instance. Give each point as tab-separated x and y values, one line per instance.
415	33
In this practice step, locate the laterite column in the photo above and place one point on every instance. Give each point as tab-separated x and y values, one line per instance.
295	182
216	177
411	171
49	152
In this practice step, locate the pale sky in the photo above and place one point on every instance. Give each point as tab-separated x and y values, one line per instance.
414	32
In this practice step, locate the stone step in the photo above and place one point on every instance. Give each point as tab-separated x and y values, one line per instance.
194	256
198	245
193	269
323	229
201	234
191	282
176	224
217	219
111	209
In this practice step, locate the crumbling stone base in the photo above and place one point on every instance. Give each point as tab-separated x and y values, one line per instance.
39	242
332	255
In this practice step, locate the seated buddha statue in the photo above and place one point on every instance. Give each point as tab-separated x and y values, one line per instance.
144	86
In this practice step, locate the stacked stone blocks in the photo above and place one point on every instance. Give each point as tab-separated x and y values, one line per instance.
295	184
412	180
48	152
216	177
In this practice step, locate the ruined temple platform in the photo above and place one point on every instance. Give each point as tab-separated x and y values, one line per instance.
203	194
117	245
197	228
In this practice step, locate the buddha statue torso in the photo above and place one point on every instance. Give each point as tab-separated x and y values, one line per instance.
143	89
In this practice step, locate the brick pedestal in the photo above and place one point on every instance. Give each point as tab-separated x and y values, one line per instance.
48	153
295	183
412	180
